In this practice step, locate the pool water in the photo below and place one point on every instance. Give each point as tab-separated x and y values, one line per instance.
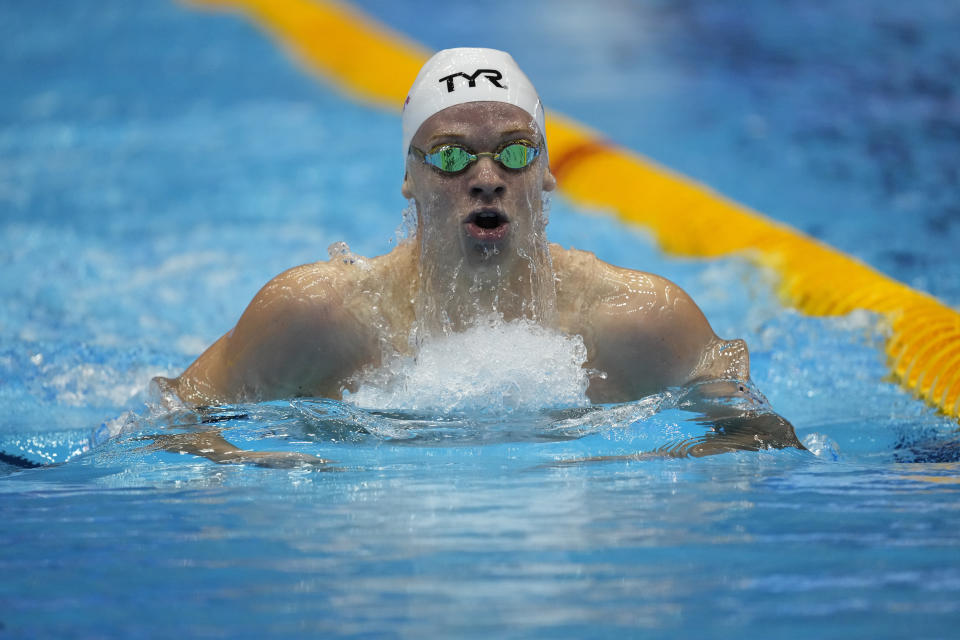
158	164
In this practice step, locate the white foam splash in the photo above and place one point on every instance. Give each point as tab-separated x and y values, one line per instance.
495	367
89	384
822	446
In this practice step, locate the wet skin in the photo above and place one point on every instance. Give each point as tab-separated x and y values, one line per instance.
452	207
314	327
481	238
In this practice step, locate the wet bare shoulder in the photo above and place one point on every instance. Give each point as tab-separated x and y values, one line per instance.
305	332
642	330
585	282
361	285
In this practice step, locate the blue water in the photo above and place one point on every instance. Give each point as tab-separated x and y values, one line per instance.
159	164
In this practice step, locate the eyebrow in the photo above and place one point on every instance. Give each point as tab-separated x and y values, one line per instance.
440	135
523	132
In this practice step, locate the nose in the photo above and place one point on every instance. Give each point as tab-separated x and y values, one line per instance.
486	180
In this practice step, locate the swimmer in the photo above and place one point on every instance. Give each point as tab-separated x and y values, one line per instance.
477	166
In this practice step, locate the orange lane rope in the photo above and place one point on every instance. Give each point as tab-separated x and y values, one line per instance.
375	64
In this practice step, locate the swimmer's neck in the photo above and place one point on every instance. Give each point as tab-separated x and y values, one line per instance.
452	295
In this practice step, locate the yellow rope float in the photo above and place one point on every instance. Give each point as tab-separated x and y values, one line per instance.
376	65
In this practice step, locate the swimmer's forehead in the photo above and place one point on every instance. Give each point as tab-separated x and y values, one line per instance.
479	122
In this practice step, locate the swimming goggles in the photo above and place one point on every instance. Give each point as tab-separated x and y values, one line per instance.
452	158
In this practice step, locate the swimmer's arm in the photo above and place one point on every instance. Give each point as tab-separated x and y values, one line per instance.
294	339
213	446
656	342
724	400
645	341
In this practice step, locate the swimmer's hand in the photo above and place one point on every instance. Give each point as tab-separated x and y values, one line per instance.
213	446
738	417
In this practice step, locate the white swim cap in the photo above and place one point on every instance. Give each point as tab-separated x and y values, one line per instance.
456	76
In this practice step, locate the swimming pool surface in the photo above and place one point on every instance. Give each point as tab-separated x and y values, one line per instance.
159	163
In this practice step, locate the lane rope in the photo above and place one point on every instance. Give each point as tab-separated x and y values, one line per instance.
376	65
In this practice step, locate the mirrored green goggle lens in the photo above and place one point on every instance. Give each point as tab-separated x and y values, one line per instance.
453	159
516	156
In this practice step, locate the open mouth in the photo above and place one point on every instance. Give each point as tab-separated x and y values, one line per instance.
487	225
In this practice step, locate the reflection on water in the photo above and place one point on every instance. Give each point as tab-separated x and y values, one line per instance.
332	429
141	217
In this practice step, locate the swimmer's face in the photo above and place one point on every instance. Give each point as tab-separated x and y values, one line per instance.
487	213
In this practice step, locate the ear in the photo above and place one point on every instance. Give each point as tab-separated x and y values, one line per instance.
406	189
549	182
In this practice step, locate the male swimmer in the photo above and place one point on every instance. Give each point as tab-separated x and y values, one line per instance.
476	168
